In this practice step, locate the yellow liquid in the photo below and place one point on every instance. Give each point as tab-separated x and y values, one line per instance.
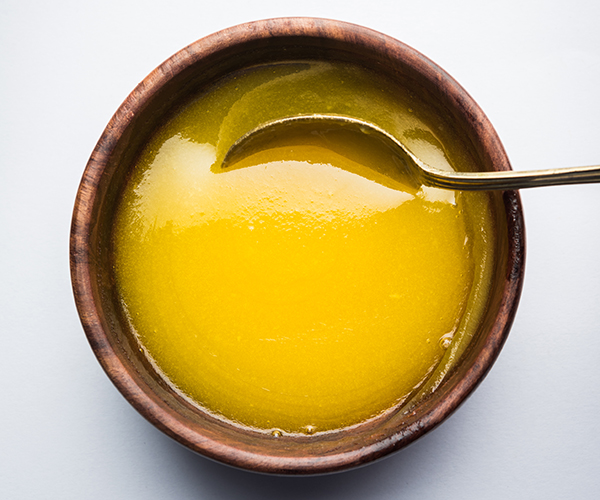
312	287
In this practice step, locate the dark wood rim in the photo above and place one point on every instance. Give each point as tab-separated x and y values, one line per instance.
162	414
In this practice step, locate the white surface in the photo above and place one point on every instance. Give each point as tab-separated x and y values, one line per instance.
531	430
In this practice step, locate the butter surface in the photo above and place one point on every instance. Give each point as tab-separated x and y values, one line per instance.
308	289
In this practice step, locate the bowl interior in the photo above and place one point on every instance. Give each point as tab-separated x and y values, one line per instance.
172	85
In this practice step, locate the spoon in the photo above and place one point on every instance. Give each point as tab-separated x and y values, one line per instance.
426	174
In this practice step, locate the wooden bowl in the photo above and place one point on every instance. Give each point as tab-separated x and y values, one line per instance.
184	74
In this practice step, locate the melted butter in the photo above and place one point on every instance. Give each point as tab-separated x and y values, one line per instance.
308	289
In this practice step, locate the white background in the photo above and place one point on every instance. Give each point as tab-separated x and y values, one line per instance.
531	430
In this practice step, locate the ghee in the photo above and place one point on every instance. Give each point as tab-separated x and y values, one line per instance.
313	287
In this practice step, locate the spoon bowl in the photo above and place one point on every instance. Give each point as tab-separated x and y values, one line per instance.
423	173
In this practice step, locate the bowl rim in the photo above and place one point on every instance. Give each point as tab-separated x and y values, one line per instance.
83	225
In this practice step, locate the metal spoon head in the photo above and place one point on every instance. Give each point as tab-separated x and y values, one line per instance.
315	124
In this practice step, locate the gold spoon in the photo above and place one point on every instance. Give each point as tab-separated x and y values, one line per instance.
426	174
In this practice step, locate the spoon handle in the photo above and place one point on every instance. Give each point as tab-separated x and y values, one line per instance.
490	181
